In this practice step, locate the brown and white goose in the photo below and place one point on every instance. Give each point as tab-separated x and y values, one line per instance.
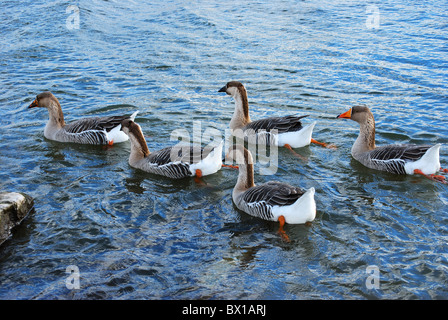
93	130
395	158
290	132
274	201
173	162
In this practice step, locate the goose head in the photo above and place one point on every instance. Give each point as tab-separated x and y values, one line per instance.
366	138
238	92
360	114
44	100
135	133
51	103
233	88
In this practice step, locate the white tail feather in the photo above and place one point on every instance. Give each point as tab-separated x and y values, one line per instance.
116	135
297	139
301	211
428	164
211	164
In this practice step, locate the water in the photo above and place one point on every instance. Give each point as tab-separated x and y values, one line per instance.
137	236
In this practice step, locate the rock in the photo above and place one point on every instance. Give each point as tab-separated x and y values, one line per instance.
14	207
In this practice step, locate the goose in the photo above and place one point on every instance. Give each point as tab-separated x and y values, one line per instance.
173	162
274	200
290	131
394	158
94	130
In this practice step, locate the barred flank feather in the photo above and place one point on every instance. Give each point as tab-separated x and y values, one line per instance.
177	170
260	210
85	137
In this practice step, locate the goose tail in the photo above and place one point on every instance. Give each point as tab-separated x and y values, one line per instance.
429	163
132	117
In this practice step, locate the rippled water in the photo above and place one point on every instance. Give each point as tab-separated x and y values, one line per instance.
138	236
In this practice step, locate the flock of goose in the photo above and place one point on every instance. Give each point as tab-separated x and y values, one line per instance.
275	201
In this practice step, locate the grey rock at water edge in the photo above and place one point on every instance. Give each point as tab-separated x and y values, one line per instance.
14	207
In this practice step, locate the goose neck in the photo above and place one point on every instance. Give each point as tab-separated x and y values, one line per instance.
241	114
366	138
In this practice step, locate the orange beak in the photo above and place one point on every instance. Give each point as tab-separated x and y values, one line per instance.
346	115
34	104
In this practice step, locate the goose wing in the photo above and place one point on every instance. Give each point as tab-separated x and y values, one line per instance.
273	193
282	124
95	124
185	154
393	158
164	163
260	200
